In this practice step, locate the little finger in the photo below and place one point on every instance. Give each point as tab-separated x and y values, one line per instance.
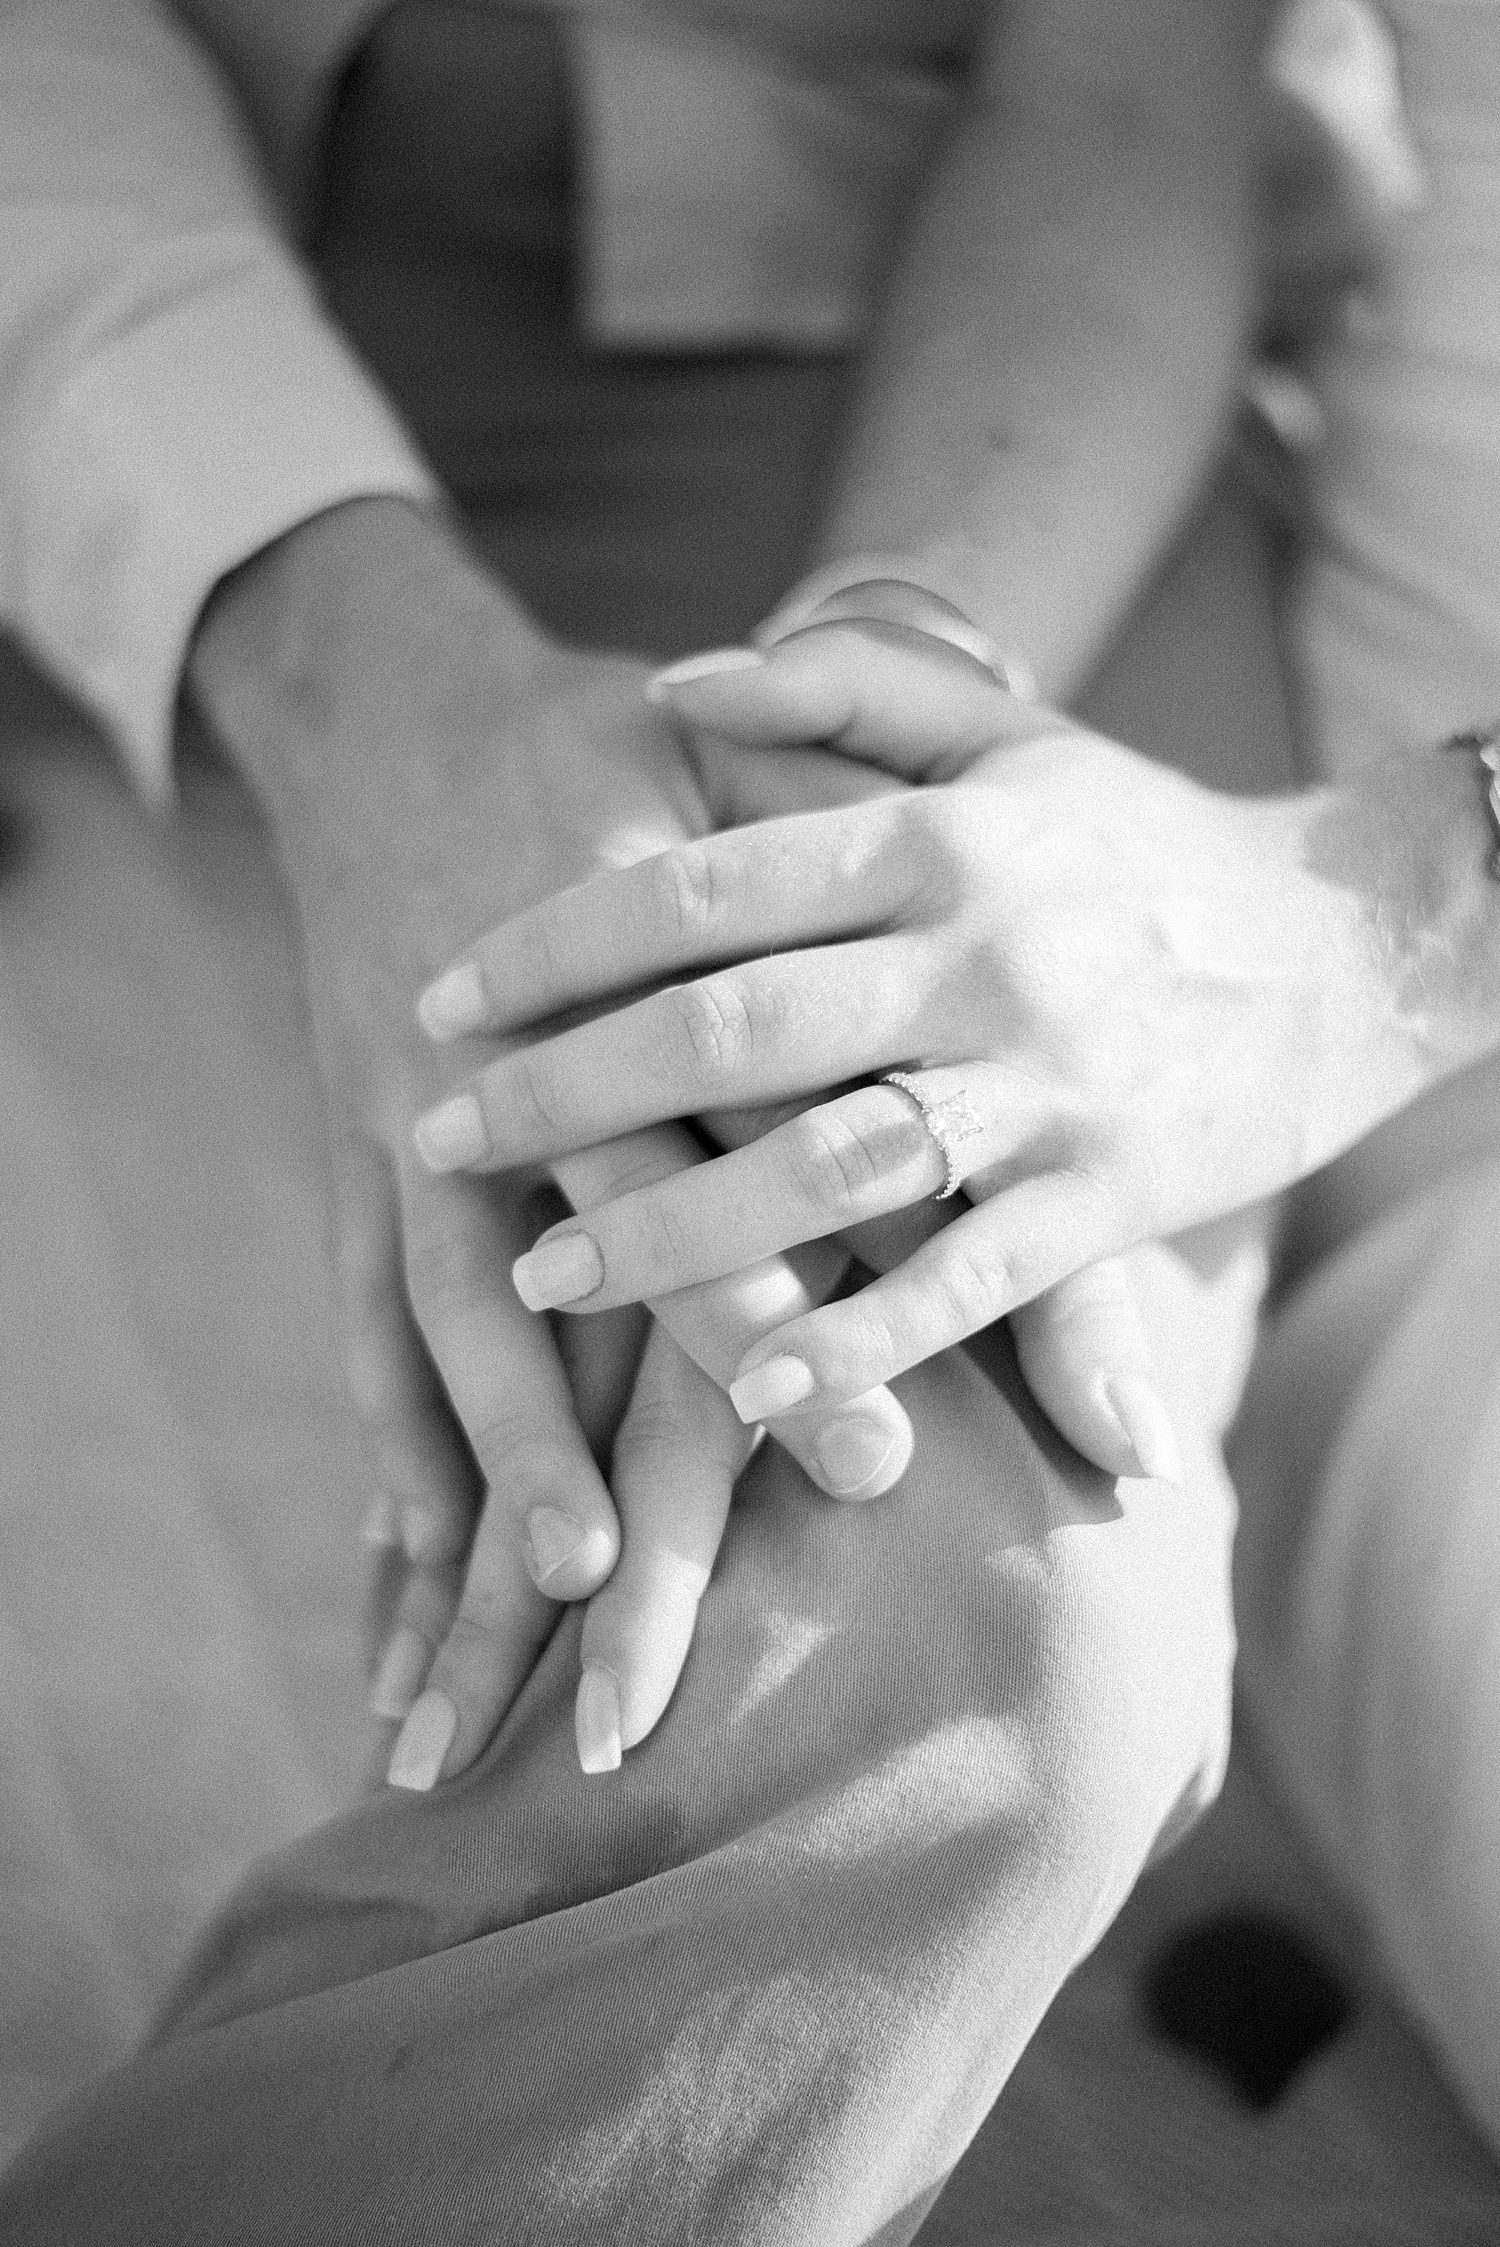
415	1624
427	1485
489	1648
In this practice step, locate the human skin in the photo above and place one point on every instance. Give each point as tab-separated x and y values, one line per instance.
1158	1004
395	714
1091	151
315	669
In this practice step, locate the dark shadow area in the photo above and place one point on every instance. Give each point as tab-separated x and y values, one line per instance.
33	710
1247	1995
13	840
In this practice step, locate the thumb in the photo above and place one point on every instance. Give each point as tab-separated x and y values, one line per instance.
1083	1351
894	697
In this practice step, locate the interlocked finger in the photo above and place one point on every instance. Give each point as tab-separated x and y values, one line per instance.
837	1165
1080	1343
503	1376
857	1447
489	1645
547	1519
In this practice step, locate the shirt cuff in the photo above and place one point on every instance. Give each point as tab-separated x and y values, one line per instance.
179	445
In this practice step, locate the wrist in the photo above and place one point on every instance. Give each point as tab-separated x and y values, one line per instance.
1411	840
317	661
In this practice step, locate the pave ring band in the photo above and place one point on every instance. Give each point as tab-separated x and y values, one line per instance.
949	1123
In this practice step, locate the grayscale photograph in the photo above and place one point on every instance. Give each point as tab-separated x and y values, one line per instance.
750	1123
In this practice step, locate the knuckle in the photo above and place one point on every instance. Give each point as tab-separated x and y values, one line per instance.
664	1243
665	1435
656	1423
975	1290
531	1097
510	1446
650	1427
849	1345
830	1163
685	893
713	1025
529	960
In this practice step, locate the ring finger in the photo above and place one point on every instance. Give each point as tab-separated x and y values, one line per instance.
875	1150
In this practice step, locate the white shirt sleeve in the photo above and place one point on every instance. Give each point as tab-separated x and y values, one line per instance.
172	397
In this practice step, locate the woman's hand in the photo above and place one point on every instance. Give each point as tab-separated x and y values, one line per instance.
1131	1004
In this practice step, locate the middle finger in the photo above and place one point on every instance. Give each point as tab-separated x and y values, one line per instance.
767	1030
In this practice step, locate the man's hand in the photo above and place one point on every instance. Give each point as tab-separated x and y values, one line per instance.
429	762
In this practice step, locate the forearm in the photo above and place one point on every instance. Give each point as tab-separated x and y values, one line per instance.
1058	352
171	397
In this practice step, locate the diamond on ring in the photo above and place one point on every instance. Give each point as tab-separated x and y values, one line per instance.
949	1123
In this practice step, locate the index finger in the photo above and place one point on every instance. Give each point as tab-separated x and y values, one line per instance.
799	880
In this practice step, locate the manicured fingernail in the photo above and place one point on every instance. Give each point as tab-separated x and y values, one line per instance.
1147	1427
852	1453
453	1004
422	1742
596	1720
382	1524
454	1135
560	1271
551	1539
707	666
771	1388
398	1680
